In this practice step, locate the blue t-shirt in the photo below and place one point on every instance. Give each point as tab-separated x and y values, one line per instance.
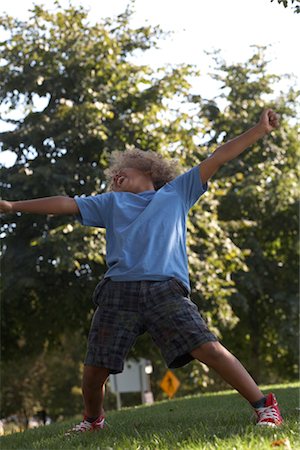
145	232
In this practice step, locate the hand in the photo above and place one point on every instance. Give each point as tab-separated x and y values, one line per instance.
5	207
269	120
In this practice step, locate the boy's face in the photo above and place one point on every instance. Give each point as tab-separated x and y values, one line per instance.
132	180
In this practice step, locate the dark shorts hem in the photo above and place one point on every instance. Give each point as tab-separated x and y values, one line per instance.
92	360
186	358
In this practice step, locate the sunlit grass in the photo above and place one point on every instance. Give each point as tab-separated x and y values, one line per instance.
210	421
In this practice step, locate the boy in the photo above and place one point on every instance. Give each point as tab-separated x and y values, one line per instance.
146	287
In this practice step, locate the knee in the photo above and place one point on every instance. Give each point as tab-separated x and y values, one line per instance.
209	353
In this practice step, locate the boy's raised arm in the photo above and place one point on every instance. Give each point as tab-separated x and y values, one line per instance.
231	149
47	205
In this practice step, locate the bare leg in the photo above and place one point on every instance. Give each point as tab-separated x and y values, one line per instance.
93	389
214	355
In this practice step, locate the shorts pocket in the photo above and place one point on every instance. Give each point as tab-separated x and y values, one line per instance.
99	290
178	287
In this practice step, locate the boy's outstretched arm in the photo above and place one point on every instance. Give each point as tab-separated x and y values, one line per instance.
47	205
226	152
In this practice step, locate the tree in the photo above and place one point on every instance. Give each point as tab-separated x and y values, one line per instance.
48	381
95	100
255	199
286	3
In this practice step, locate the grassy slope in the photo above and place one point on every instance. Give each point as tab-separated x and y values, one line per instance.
210	421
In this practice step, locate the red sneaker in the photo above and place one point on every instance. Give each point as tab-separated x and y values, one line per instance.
85	425
270	414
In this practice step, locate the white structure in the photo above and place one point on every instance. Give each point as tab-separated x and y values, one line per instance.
134	378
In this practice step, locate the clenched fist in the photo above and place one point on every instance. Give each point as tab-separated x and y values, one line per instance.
269	120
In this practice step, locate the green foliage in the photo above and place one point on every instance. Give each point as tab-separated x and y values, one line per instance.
291	3
255	201
50	381
97	101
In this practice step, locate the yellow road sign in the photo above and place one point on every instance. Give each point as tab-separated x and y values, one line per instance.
170	384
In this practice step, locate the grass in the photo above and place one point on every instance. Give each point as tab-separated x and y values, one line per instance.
218	421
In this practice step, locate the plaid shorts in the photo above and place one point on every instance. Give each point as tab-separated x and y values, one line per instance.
127	309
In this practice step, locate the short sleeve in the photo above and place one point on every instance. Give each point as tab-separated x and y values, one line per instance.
94	209
189	186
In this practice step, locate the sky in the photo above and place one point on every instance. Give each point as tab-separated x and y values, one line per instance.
198	26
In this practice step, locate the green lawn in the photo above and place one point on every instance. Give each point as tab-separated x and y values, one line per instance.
212	421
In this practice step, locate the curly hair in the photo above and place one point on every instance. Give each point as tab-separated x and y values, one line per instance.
161	170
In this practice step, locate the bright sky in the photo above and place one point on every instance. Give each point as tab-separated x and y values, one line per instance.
199	26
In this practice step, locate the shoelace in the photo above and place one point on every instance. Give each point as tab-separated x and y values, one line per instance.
82	426
268	413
